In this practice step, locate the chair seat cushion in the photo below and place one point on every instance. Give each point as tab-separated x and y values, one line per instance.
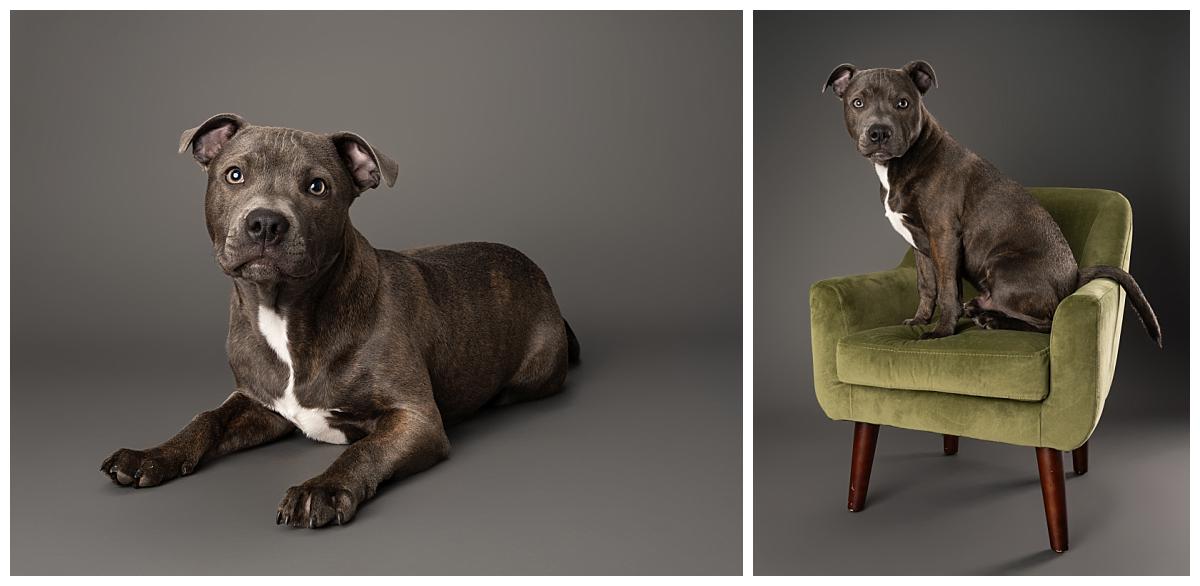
999	364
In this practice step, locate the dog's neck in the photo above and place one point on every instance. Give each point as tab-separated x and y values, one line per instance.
335	294
930	138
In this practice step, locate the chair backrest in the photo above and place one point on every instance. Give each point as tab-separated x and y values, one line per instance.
1097	223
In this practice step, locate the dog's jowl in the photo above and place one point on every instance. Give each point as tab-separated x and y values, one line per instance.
963	219
344	342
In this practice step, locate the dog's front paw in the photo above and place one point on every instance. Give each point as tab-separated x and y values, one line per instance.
316	504
142	468
934	334
916	321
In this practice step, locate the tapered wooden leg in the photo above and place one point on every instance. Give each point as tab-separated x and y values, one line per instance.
1079	459
1054	496
865	436
950	444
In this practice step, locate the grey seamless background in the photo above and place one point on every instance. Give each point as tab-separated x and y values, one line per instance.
1081	99
606	146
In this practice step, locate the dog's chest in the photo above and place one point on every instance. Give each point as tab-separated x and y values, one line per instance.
313	422
896	218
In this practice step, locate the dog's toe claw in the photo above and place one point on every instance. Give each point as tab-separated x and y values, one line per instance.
317	504
141	468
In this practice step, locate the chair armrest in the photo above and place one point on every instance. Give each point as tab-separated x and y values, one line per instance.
1084	338
844	305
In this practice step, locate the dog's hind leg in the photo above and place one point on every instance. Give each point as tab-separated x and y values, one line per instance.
989	319
1015	294
544	367
976	306
1005	309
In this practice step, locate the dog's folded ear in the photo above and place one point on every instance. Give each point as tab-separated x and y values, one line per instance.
365	164
840	78
209	138
922	75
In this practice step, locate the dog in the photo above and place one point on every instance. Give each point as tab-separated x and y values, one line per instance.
962	217
347	343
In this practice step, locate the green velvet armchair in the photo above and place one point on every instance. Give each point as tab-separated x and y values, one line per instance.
1025	388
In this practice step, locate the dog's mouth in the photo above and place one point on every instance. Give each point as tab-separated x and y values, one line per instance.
258	270
878	155
262	266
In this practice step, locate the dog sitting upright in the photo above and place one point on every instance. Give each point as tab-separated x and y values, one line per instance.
962	217
349	344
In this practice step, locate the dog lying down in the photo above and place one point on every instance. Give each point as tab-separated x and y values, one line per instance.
344	342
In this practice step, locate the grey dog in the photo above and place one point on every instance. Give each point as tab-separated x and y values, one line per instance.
963	218
345	342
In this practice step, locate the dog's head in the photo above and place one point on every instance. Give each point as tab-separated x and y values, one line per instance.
883	107
278	199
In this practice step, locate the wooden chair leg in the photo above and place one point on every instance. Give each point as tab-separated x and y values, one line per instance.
1079	459
950	444
865	437
1054	496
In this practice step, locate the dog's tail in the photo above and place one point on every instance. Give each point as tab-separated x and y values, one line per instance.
1136	297
572	345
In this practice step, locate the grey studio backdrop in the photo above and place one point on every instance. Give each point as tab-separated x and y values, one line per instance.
1053	99
606	146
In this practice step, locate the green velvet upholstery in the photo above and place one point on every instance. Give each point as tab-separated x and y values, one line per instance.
977	362
1036	390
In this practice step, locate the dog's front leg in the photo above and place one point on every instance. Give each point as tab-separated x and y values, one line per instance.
944	248
403	442
926	289
240	422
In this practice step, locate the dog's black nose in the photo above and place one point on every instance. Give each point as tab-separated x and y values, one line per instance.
267	226
879	133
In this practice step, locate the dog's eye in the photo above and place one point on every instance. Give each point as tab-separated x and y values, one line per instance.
902	103
316	186
857	103
234	175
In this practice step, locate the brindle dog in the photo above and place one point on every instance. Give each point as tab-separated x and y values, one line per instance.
963	218
348	343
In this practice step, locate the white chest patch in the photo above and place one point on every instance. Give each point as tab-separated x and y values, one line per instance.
896	218
312	422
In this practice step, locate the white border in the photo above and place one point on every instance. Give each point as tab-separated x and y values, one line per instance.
1193	249
747	234
747	293
6	292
